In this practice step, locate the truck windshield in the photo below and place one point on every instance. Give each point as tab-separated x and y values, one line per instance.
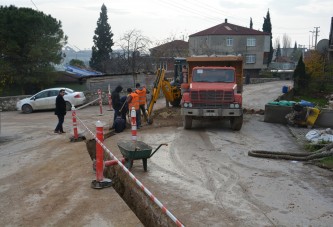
213	75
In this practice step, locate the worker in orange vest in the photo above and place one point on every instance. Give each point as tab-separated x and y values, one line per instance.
133	101
142	92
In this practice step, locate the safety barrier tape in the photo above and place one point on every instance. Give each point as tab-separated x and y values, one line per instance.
151	196
87	104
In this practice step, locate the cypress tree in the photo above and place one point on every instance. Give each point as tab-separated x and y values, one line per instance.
103	42
278	53
267	27
301	78
294	53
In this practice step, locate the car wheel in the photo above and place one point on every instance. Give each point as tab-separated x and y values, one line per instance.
26	108
68	106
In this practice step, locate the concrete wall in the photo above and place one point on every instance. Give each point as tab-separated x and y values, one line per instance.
261	80
276	114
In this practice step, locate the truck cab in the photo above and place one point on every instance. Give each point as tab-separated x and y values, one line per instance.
213	90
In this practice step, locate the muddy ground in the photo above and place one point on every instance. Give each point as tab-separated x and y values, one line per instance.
204	177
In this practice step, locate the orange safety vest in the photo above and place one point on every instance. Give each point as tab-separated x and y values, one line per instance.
134	102
142	95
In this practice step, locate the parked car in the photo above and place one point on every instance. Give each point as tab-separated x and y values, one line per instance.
45	100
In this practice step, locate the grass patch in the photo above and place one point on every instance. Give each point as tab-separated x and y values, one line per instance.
314	147
318	101
327	162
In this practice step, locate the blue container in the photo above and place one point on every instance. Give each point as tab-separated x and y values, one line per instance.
285	89
306	103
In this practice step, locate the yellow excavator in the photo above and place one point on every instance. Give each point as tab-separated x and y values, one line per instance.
171	90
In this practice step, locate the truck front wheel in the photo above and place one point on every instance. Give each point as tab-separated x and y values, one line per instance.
236	123
187	122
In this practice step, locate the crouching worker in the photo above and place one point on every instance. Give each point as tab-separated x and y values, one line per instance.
119	124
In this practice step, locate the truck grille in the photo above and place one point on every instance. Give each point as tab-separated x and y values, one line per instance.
210	98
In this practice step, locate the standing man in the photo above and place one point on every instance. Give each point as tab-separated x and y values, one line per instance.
116	104
133	101
60	111
142	92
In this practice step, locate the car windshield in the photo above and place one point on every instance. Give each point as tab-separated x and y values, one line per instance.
213	75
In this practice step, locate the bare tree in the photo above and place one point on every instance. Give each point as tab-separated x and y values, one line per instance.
276	42
286	41
134	45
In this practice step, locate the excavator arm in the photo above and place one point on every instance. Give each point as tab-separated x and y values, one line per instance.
171	93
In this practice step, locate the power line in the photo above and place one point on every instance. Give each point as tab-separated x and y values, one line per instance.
34	4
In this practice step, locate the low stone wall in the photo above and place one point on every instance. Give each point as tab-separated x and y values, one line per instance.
262	80
8	103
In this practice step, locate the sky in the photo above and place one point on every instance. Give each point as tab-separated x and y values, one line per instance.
161	20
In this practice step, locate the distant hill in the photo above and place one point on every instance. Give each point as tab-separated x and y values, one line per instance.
70	53
83	55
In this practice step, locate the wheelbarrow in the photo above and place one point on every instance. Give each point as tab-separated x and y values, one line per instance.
135	150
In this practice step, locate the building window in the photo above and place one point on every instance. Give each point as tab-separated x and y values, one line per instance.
230	42
285	66
250	58
251	42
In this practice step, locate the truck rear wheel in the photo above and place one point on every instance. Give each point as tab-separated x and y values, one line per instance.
236	123
187	122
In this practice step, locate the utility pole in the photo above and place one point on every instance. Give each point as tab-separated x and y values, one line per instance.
311	40
316	36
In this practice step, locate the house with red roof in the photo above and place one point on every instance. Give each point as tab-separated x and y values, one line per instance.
163	56
231	39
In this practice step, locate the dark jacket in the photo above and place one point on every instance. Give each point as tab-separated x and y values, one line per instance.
116	104
60	105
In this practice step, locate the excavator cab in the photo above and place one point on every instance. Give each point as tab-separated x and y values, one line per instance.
180	71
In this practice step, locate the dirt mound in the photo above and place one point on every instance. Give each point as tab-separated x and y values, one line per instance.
167	116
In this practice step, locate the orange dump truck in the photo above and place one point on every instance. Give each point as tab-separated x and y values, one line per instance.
213	90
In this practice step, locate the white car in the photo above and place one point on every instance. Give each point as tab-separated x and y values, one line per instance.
45	100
